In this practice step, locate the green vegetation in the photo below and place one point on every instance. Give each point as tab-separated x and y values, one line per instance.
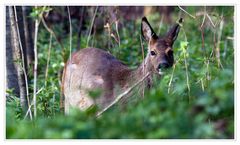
194	99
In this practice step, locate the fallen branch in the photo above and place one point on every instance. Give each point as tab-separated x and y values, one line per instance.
122	95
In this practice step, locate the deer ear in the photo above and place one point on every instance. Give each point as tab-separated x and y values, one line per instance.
173	32
147	31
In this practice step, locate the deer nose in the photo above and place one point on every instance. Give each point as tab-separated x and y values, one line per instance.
163	65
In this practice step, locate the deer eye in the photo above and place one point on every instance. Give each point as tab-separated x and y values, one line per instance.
153	53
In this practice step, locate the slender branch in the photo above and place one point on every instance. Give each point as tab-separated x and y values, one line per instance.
90	31
143	61
208	70
23	64
186	12
160	25
52	32
119	41
204	16
115	38
202	30
211	21
218	44
186	66
170	82
230	38
37	23
122	95
35	68
107	26
186	71
202	84
29	108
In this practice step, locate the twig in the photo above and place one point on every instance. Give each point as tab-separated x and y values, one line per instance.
204	17
210	20
202	30
51	31
116	39
29	108
208	70
170	82
122	95
218	44
202	84
143	61
108	27
230	38
119	41
186	12
160	25
90	31
23	64
214	44
186	66
203	42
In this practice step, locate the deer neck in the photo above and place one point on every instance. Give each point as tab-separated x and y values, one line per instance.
144	68
127	77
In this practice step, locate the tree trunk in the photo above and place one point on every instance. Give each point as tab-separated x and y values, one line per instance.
17	59
12	77
20	24
28	24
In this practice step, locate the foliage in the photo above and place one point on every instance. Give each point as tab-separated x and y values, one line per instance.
194	99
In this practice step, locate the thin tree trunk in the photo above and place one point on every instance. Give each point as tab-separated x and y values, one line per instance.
12	76
17	59
35	68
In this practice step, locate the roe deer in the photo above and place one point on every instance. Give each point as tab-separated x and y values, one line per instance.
93	68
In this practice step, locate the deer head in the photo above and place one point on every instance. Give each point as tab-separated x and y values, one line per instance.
160	49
